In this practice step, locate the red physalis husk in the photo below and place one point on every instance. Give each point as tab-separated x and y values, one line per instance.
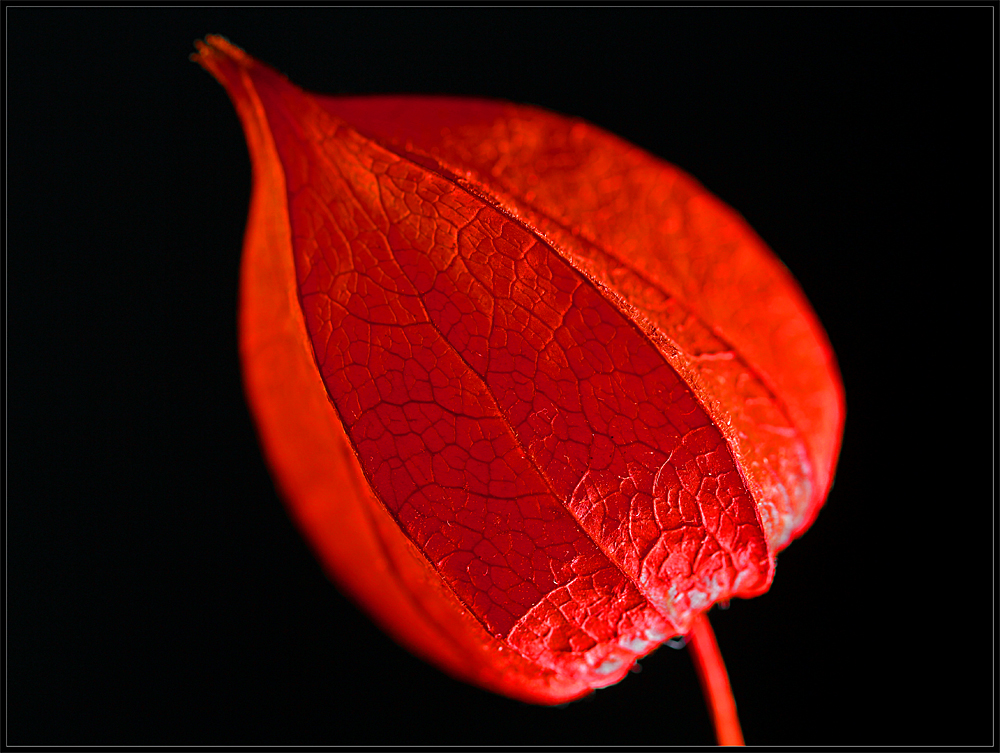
535	396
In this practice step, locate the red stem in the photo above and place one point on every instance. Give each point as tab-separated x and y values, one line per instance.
714	682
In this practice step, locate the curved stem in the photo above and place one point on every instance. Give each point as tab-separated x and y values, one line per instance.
714	682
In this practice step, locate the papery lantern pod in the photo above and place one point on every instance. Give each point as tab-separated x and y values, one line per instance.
537	398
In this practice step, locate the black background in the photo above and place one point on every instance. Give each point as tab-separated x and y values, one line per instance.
156	590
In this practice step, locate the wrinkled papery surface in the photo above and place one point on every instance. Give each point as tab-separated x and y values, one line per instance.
536	397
